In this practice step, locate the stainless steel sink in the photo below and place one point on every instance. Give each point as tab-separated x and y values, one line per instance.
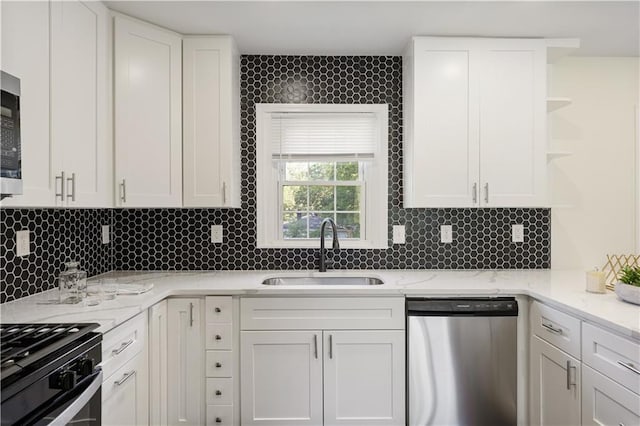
363	281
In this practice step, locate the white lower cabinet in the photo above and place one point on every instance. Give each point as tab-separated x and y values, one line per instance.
364	377
328	369
604	402
125	387
281	377
124	394
555	385
185	381
158	367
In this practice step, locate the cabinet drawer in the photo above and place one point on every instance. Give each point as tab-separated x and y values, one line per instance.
604	402
219	336
298	313
219	415
218	309
612	355
123	343
219	364
219	391
123	394
557	328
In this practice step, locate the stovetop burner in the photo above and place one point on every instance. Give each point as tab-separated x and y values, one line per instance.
24	344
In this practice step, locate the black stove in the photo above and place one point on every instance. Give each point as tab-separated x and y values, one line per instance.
49	374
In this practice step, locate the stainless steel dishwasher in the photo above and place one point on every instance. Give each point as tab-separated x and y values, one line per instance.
462	361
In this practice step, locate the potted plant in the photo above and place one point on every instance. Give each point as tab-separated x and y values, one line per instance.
628	288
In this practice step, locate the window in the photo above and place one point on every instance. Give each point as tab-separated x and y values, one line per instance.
318	161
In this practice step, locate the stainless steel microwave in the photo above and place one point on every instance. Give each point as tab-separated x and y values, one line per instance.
10	147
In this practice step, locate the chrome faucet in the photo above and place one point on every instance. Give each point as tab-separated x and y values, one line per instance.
336	244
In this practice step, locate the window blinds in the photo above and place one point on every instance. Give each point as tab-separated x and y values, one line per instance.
323	135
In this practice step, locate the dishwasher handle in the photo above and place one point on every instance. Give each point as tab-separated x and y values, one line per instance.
482	307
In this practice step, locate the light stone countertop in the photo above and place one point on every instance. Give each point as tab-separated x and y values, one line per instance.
559	288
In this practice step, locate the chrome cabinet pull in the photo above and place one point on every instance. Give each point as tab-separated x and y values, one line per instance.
552	329
217	310
224	192
218	393
62	184
122	347
569	368
486	192
218	420
315	346
218	337
72	179
629	366
330	346
218	365
475	192
190	314
126	377
123	191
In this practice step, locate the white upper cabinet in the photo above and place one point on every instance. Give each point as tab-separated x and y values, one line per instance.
80	117
211	111
475	122
25	54
147	114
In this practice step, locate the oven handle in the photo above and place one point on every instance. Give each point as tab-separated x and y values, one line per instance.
70	412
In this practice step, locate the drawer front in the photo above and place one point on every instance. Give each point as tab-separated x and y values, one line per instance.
123	343
334	313
219	364
219	415
557	328
604	402
219	391
614	356
219	336
218	309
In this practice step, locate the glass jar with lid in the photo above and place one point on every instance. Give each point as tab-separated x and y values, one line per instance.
72	284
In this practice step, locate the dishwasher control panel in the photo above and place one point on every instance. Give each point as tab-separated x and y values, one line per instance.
502	306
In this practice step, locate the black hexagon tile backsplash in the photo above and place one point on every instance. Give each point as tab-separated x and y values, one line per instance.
179	239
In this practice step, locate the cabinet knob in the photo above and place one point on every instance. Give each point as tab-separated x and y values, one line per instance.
218	365
218	337
218	393
218	420
217	310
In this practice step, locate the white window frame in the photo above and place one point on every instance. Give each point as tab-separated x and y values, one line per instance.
376	180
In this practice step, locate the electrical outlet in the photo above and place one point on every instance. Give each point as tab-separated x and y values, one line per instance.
446	234
398	234
23	246
517	233
216	234
105	234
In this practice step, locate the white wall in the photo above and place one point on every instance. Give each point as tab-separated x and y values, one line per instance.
596	185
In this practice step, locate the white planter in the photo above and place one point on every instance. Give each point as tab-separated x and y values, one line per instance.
628	293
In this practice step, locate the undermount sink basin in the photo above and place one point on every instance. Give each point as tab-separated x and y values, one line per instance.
364	281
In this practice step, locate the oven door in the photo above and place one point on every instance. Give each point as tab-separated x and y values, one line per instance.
80	406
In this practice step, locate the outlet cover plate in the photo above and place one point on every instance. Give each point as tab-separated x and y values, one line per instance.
105	234
398	234
23	246
216	234
446	234
517	233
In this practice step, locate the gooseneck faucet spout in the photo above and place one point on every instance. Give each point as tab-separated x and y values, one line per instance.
336	244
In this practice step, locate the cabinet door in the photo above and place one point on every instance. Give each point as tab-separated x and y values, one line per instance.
555	385
124	394
79	109
185	382
512	123
604	402
364	378
441	152
147	113
281	378
158	366
25	54
211	145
